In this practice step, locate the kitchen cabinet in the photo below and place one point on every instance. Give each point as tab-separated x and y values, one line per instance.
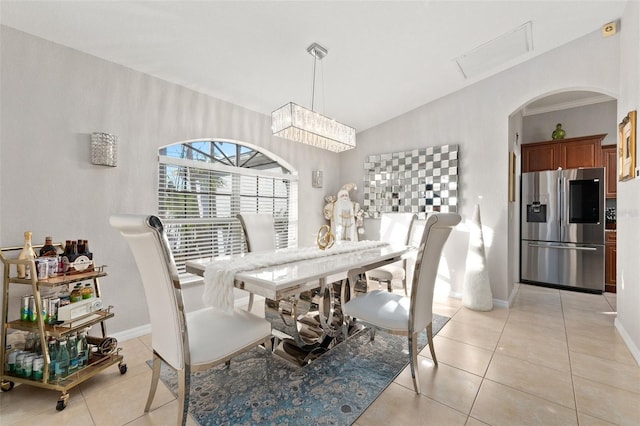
610	261
610	163
569	153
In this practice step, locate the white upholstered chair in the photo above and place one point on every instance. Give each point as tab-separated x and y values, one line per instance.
394	229
185	341
408	316
259	234
259	231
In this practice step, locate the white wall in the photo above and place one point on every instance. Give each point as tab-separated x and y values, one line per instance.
628	211
54	97
586	120
477	118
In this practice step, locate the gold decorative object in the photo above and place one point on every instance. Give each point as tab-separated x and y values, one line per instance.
325	237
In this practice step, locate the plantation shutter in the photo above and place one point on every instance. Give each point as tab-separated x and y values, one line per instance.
198	202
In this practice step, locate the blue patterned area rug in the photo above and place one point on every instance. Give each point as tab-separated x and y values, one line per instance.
334	389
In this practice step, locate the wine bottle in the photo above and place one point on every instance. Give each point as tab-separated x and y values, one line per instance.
26	253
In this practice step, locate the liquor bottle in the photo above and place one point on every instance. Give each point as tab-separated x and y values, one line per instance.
62	368
48	249
26	253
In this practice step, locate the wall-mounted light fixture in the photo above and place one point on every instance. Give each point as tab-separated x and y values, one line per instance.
316	178
104	149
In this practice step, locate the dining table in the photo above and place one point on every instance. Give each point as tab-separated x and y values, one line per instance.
304	289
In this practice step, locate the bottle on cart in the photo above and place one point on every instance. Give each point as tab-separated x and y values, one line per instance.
76	294
83	348
69	256
48	250
84	260
87	291
26	254
72	346
52	345
63	358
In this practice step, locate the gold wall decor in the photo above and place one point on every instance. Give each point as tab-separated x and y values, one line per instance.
512	176
627	147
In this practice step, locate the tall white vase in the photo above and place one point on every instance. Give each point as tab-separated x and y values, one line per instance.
476	291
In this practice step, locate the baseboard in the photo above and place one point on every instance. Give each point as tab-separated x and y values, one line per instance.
635	352
132	333
497	303
142	330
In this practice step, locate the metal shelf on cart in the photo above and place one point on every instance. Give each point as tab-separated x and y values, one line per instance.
66	327
61	279
95	366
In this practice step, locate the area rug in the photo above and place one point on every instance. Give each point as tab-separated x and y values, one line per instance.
259	388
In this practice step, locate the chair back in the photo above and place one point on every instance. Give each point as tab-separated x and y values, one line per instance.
415	237
150	248
259	231
436	232
394	227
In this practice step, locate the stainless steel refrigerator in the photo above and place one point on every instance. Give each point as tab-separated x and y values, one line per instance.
562	228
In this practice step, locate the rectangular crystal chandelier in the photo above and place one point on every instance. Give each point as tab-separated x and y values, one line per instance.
300	124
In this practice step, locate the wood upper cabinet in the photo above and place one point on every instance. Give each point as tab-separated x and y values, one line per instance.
610	163
569	153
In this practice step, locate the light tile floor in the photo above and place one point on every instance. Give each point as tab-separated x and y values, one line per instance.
553	358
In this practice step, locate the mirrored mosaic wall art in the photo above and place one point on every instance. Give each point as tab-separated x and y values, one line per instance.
420	181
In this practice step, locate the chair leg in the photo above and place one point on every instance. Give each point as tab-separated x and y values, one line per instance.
430	342
372	334
155	376
413	361
404	286
184	385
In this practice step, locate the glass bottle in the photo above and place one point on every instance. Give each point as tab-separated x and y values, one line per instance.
80	246
48	249
52	346
76	294
83	348
72	346
62	366
26	253
87	291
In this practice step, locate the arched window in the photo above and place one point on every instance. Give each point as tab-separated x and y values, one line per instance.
204	184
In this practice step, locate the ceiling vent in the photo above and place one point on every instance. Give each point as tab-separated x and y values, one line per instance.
496	52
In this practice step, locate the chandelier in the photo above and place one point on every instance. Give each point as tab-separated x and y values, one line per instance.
299	124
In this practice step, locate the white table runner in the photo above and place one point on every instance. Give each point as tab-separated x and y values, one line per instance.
220	274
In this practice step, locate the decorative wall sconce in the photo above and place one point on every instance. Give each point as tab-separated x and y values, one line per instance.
316	178
104	149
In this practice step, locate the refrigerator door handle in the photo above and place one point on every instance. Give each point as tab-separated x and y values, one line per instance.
563	247
560	205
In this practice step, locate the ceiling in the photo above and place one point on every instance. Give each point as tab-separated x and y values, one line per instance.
385	57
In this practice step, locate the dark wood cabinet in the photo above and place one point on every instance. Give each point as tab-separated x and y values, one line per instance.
610	163
585	151
610	261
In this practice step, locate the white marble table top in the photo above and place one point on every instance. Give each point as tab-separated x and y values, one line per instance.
286	279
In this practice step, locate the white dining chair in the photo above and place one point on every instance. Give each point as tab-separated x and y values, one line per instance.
395	228
186	342
259	231
408	316
259	234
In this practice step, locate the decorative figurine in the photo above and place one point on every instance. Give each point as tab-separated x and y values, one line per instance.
345	215
558	133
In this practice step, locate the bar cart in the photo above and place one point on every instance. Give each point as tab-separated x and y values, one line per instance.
101	352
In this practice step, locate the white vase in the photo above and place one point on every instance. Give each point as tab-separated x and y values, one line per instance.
476	290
